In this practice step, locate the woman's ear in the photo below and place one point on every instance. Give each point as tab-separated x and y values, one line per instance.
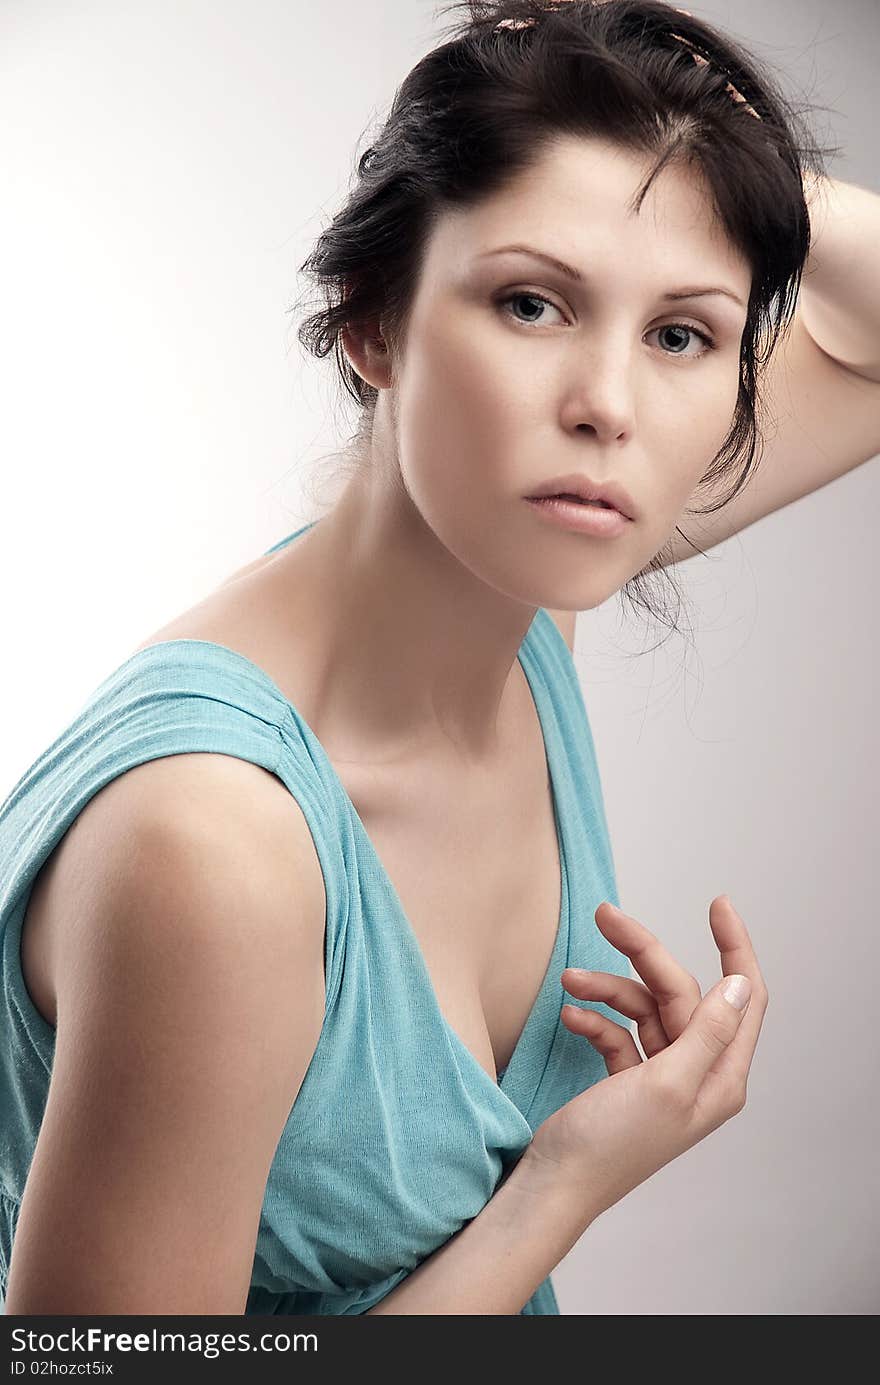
365	347
364	344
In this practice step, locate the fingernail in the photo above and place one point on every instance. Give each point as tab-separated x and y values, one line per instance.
736	991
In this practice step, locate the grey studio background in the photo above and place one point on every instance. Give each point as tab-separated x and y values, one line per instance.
164	168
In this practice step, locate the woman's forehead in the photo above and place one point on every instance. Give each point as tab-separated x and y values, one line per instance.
576	202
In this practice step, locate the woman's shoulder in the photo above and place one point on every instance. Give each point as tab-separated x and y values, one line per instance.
220	613
173	818
249	616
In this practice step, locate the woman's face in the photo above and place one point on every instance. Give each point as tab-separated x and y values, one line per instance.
498	392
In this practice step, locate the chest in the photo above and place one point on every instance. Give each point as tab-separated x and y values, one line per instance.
475	866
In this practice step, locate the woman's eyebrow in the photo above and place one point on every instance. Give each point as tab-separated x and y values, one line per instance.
571	272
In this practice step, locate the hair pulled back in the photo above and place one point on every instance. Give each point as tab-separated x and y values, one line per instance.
481	107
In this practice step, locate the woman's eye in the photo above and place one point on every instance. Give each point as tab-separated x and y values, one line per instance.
527	298
679	327
676	348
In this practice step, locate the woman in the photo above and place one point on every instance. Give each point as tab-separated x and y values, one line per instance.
291	908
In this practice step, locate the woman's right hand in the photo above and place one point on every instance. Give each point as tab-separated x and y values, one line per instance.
698	1050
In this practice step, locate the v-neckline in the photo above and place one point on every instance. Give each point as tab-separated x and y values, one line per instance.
512	1083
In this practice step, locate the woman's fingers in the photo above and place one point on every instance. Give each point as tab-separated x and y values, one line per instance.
718	1049
622	993
676	991
689	1068
738	955
733	942
616	1044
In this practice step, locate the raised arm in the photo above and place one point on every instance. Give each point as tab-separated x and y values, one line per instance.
821	392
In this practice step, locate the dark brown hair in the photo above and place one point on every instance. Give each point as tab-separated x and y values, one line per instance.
482	106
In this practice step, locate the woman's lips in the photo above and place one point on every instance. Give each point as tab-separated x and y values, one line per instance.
582	516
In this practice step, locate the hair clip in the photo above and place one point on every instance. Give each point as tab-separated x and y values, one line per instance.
697	57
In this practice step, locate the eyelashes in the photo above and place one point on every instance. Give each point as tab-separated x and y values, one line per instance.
708	341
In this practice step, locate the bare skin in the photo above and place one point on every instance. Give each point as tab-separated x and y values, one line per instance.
394	625
472	854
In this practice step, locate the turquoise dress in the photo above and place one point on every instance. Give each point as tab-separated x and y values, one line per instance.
398	1136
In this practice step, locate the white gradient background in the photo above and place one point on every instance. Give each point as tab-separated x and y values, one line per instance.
164	169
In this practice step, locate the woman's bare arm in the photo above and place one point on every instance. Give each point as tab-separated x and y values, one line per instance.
189	982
